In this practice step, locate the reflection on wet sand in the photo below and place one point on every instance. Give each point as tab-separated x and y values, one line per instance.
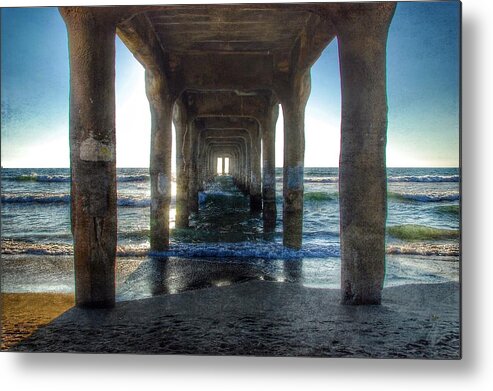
168	275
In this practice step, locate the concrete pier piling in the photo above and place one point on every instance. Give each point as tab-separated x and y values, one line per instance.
362	168
193	180
222	71
92	153
182	164
268	126
256	175
161	106
293	105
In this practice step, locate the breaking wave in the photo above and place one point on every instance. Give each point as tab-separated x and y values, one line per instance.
132	178
130	202
35	198
40	178
332	179
396	179
66	178
425	197
425	178
190	250
243	250
425	249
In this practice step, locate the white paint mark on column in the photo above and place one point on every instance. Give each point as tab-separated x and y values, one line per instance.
162	184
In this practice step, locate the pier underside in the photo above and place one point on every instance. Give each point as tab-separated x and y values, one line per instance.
221	73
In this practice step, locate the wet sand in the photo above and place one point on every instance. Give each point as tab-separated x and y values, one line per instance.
265	318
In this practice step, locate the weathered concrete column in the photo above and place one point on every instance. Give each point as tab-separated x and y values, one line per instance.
293	106
161	105
245	171
269	211
256	173
182	162
193	199
362	40
211	165
215	162
232	165
248	167
92	153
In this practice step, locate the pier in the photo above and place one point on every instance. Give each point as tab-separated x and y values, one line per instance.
221	73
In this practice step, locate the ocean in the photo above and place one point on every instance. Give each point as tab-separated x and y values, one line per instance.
225	242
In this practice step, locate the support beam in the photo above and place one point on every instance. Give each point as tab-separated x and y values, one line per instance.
293	105
362	169
238	71
161	105
228	104
92	153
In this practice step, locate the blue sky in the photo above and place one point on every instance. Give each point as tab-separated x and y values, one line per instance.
423	93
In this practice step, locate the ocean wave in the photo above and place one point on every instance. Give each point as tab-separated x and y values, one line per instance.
132	178
11	246
40	178
413	232
130	202
425	249
33	177
425	197
137	202
248	250
133	202
449	209
66	178
333	179
226	197
424	178
319	196
393	179
16	247
190	250
241	250
35	198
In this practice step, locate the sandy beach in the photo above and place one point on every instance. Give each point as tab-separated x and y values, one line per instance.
260	318
24	313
